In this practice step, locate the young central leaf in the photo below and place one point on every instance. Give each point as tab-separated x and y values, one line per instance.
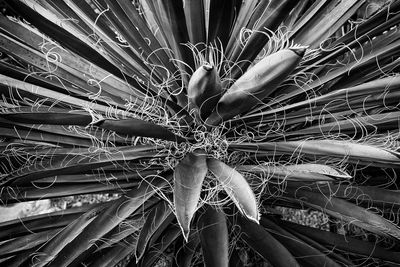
205	89
188	179
256	84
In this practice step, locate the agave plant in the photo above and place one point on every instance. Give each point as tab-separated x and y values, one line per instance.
203	116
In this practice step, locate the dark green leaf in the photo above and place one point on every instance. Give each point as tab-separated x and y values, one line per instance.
265	244
213	237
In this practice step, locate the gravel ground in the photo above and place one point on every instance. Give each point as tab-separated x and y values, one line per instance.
309	218
20	210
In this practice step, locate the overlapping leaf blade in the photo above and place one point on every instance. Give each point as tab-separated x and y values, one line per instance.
158	216
265	244
81	81
107	220
236	187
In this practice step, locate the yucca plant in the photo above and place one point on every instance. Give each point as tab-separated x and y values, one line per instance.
203	115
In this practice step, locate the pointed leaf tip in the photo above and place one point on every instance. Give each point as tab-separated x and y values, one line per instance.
300	51
208	67
236	187
205	89
188	179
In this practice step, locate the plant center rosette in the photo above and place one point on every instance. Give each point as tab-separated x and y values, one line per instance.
203	160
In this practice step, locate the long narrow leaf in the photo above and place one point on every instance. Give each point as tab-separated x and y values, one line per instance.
345	243
214	237
71	164
188	180
303	252
349	212
265	244
299	172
